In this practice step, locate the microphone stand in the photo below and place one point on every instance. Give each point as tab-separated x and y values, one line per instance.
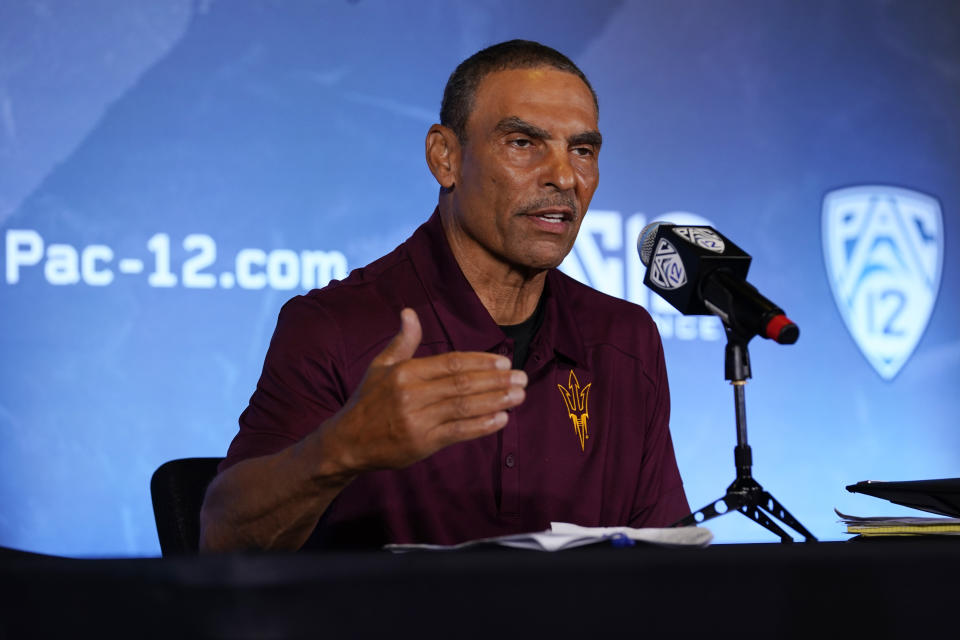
745	494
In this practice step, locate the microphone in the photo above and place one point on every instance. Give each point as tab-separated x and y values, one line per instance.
700	272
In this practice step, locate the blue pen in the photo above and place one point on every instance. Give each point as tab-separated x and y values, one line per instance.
620	541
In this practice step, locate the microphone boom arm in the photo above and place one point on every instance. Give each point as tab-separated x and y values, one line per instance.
744	309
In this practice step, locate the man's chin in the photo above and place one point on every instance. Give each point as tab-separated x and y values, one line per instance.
537	254
544	261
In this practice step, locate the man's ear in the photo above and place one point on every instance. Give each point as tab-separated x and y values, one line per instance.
443	155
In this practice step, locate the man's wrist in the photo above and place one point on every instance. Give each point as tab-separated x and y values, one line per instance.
327	464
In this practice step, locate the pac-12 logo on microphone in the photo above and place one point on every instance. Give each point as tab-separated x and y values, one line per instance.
883	248
700	237
667	270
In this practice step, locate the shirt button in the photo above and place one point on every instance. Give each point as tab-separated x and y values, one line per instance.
509	461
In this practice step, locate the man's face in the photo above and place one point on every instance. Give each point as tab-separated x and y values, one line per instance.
528	169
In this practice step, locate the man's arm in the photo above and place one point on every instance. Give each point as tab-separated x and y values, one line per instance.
404	410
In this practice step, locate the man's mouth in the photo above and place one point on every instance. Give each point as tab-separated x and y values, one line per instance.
552	216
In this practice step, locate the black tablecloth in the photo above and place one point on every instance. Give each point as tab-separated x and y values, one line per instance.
886	587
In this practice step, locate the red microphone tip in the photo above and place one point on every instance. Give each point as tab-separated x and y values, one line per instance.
782	329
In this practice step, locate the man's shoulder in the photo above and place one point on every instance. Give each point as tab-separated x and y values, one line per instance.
607	320
359	313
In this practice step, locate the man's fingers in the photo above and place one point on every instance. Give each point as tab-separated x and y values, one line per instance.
405	343
467	407
466	383
455	363
469	429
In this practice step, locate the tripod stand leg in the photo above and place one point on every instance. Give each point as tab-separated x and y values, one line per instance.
701	515
731	502
751	502
753	512
777	510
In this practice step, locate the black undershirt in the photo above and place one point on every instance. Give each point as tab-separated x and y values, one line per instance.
522	334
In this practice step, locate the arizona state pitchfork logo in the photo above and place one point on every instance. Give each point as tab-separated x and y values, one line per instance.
576	401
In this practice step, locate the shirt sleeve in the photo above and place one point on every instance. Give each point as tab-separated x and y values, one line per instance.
661	500
300	385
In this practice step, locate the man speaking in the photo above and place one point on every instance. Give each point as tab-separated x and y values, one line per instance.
510	396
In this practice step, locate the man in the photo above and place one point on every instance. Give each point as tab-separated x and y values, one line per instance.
511	395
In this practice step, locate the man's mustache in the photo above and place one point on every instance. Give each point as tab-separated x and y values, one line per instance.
559	201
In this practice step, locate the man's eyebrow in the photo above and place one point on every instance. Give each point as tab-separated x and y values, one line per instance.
587	137
513	124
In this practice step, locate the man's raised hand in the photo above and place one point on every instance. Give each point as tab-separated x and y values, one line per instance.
407	408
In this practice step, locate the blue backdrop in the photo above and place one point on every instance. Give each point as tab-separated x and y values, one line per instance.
171	173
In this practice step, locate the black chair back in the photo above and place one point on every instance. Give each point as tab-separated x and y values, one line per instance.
177	488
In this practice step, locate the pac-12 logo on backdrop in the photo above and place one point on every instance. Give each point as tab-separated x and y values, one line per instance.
883	248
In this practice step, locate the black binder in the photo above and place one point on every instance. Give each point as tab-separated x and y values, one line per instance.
936	496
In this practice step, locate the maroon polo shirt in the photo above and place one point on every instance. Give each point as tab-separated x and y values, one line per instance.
590	444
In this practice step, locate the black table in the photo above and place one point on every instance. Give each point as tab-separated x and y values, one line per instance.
893	587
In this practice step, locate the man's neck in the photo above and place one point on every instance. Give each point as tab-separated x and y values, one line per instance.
511	300
510	295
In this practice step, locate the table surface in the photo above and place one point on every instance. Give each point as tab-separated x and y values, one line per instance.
885	586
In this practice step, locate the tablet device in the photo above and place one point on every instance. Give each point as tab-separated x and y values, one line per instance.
936	496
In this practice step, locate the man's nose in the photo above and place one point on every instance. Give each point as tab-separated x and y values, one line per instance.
559	172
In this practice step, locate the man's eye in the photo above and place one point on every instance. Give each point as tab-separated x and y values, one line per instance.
583	151
521	142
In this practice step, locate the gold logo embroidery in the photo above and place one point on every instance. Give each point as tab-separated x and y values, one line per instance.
576	401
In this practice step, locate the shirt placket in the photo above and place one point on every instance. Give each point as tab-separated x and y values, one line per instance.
538	357
509	456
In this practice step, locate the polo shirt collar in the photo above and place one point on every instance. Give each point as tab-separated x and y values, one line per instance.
463	321
560	326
